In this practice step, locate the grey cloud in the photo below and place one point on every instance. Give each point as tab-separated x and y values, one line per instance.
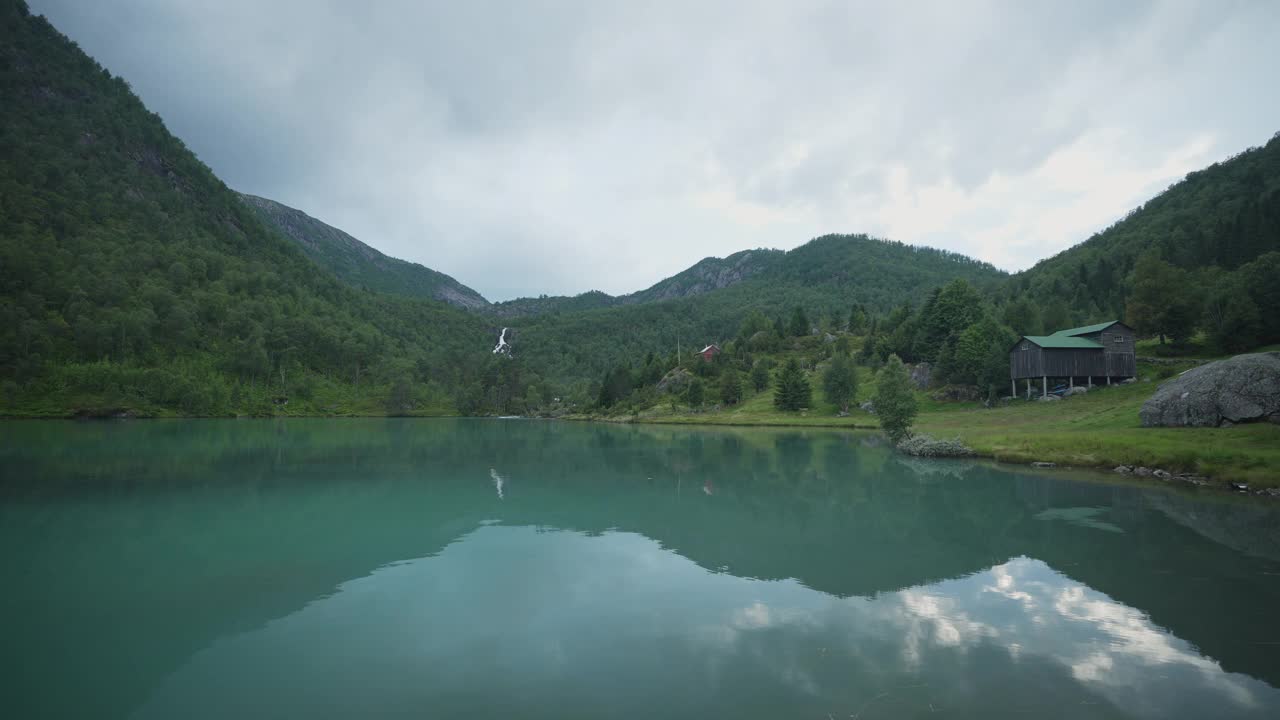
563	146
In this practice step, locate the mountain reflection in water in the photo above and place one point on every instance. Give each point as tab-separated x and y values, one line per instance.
340	568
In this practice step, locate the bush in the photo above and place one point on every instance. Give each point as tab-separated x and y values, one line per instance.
925	446
894	402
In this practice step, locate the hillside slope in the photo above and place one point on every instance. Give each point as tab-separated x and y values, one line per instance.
132	278
825	277
708	274
1223	216
358	264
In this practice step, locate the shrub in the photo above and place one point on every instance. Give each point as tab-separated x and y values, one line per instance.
925	446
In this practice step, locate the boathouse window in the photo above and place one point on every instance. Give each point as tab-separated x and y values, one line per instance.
1120	339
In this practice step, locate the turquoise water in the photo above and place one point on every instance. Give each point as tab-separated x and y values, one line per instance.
524	569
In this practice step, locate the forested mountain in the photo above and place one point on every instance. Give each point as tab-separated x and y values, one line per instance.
1200	237
826	277
358	264
131	277
706	275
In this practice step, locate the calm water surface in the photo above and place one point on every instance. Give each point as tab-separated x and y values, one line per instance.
519	569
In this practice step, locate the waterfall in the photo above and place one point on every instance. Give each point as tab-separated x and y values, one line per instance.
502	346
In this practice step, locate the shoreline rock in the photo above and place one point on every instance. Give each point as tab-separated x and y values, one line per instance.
1245	388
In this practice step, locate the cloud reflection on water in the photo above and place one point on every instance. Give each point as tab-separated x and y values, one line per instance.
566	619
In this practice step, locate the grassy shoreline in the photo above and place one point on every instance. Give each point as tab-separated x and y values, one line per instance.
1099	430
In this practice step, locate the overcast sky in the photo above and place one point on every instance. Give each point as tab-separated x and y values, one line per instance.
554	147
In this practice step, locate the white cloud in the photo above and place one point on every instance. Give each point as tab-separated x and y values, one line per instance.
557	147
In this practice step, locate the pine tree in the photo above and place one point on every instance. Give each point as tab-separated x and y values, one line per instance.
799	323
694	394
857	320
730	387
791	391
760	376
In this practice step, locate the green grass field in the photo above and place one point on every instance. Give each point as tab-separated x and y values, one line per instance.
1100	429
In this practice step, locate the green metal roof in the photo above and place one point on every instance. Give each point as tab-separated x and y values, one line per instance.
1063	341
1069	338
1087	329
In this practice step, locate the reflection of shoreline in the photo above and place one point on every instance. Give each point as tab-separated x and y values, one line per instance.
498	482
1046	642
784	500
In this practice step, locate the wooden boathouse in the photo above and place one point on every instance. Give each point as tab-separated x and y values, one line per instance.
1095	353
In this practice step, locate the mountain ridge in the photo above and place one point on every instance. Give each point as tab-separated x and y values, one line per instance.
706	275
359	263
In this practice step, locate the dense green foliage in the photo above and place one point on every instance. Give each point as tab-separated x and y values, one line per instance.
760	376
894	403
956	330
1216	232
731	387
359	265
840	381
824	278
131	277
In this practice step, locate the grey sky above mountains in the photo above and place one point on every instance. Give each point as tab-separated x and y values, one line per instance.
556	147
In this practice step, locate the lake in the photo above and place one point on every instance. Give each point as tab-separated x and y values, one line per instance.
529	569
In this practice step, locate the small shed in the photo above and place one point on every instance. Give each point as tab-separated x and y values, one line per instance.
1093	353
709	352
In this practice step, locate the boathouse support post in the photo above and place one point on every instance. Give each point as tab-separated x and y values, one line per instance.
1044	386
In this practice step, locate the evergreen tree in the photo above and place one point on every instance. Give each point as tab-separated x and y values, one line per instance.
857	320
730	387
950	310
791	390
615	386
799	323
840	382
760	376
694	394
894	402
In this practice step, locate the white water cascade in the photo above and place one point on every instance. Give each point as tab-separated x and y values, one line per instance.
502	346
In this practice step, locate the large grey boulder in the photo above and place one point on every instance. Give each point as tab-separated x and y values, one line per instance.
675	381
1244	388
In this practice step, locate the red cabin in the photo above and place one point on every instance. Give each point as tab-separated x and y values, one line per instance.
710	352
